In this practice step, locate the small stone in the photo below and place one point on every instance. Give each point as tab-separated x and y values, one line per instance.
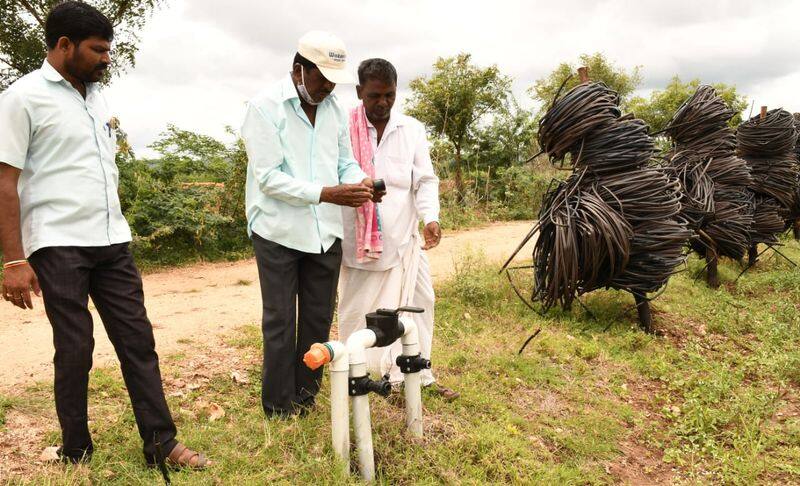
50	454
240	378
215	412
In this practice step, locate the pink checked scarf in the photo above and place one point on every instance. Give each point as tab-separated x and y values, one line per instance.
369	239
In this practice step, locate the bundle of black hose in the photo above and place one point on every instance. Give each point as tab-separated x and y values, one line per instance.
578	112
774	134
714	182
795	216
767	144
614	223
797	140
703	113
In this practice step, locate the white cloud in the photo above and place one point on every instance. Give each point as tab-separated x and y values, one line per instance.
200	60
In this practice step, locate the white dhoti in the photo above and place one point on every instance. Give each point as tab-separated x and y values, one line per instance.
364	291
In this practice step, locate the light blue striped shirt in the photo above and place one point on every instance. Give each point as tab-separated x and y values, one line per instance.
289	162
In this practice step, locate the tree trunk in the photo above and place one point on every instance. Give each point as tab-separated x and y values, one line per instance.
797	229
459	177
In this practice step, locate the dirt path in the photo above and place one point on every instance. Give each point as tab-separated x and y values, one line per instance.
196	304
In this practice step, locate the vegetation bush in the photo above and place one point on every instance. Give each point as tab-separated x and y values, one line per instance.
187	205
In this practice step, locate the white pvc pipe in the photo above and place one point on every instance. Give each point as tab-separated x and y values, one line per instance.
335	354
412	381
357	343
340	410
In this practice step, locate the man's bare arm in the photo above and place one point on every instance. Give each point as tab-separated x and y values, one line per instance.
10	235
18	281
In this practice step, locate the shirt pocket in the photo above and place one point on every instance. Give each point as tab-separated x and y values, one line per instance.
398	172
107	138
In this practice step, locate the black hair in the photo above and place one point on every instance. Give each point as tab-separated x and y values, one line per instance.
298	59
378	69
76	21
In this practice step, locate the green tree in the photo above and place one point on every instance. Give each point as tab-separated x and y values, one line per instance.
507	140
455	99
189	157
22	46
662	104
600	69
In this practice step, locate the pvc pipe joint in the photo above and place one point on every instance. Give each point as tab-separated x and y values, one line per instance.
357	344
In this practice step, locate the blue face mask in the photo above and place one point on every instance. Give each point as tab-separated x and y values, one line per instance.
301	89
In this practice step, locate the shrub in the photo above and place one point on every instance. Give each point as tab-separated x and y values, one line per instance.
187	205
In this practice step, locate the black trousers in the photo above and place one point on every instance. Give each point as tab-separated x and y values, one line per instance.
68	276
298	292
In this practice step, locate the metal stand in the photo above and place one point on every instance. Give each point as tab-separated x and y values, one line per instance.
712	273
753	258
645	316
752	255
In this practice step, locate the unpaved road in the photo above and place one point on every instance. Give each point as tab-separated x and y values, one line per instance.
195	304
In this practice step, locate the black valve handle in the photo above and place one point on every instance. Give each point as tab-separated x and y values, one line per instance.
394	312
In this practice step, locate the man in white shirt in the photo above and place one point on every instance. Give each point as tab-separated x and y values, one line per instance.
61	229
397	274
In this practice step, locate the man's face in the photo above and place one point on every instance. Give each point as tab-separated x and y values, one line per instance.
378	98
88	61
317	86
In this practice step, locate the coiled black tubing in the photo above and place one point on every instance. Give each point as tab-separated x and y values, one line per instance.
768	146
714	182
616	221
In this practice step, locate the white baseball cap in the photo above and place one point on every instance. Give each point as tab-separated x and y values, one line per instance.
329	54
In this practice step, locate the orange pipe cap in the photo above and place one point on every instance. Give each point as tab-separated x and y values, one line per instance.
317	356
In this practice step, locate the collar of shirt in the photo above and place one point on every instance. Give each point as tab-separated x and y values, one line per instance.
288	90
49	73
289	93
394	123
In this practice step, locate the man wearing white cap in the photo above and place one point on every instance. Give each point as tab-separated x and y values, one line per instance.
300	169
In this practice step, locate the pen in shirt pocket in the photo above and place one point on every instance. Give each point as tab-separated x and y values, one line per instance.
111	125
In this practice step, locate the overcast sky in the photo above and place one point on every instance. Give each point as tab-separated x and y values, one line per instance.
201	60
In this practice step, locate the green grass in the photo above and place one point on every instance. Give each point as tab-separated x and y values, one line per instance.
713	398
5	404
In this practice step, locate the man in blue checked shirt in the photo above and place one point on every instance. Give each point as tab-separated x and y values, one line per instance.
300	171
